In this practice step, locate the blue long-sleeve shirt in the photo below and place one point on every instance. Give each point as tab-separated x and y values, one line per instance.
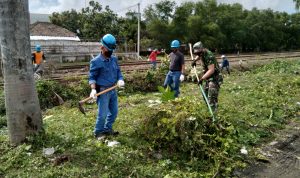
104	72
225	63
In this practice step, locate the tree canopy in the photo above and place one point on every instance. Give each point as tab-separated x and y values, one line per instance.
225	27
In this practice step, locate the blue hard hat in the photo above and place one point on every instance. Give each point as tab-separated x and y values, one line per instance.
38	48
109	42
175	44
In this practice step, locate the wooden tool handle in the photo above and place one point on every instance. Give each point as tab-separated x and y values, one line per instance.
98	94
106	90
191	52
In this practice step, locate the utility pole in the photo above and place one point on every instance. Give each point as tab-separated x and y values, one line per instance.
138	40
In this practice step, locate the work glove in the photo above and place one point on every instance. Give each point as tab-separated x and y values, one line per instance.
93	94
181	78
200	81
193	64
121	83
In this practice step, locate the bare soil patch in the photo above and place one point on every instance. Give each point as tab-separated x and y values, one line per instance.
282	155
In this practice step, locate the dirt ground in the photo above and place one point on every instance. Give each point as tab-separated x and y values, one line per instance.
281	156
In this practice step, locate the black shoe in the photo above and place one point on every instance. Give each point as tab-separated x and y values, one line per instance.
111	132
100	135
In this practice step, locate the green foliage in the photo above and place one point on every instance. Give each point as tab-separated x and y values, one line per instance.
2	103
175	138
92	22
166	94
227	27
72	92
297	4
144	82
184	127
3	121
277	66
161	11
165	63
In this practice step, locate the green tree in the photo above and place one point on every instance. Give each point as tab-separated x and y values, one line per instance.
70	20
217	25
230	19
297	4
92	22
162	11
127	29
180	20
202	25
157	19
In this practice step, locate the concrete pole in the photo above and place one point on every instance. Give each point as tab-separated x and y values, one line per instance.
138	40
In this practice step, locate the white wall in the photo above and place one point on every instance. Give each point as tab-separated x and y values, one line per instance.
64	51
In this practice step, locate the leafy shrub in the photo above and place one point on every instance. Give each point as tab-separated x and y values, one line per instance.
183	126
72	92
167	94
144	82
278	67
2	103
3	121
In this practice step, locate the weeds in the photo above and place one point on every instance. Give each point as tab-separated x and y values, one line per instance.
175	138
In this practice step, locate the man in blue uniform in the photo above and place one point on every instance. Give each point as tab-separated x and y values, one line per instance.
225	64
105	73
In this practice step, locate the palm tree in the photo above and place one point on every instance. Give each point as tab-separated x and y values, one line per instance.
22	105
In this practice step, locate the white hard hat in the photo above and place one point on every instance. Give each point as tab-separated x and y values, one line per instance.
222	56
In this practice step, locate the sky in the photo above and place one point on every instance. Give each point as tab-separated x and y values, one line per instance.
122	6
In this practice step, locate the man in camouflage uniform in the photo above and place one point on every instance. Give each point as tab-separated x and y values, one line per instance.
212	75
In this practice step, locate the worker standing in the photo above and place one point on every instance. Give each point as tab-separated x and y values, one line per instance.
105	73
225	64
152	58
212	76
37	58
176	68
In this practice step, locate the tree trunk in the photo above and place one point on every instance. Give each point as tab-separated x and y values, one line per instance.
22	105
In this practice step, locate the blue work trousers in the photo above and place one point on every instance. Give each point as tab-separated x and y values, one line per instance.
172	80
107	111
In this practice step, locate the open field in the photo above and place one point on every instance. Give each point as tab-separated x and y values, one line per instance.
253	106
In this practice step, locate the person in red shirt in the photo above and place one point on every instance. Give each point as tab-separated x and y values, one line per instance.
152	58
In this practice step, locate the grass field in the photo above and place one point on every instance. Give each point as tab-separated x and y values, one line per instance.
252	106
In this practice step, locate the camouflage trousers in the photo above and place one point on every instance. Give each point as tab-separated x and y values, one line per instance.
212	92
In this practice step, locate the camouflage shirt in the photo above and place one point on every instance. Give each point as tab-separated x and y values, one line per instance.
208	58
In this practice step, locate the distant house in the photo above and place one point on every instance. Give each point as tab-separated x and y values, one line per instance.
46	31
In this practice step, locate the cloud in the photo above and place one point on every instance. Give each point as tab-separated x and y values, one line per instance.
276	5
50	6
121	7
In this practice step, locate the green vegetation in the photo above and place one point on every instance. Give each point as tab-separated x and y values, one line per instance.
144	82
225	27
175	138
